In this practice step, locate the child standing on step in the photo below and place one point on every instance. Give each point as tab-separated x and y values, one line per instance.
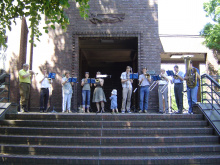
113	98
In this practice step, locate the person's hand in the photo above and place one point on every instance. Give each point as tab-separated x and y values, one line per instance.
31	71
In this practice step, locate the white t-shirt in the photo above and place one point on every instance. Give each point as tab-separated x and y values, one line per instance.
127	84
163	82
45	83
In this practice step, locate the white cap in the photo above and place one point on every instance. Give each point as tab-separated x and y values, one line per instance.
114	92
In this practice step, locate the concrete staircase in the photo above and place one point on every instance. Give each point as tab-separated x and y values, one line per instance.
107	139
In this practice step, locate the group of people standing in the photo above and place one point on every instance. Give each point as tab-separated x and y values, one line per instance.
191	91
99	98
98	95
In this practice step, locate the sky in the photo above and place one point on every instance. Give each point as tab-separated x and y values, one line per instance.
181	16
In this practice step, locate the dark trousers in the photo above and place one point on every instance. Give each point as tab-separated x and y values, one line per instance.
178	91
44	96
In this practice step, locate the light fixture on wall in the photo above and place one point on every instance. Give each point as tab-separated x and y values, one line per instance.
176	56
181	55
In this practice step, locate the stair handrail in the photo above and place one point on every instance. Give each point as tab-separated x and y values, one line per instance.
216	84
211	79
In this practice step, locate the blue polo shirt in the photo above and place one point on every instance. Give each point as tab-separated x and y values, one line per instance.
178	81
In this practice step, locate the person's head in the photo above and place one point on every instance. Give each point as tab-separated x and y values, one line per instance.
162	71
176	68
25	67
114	92
44	70
98	73
86	74
144	70
67	74
128	69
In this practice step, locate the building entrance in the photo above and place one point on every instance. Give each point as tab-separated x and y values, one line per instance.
110	56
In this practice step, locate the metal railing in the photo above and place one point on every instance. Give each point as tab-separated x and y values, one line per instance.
5	88
210	91
211	94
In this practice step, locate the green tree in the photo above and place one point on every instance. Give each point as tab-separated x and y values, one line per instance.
54	10
211	31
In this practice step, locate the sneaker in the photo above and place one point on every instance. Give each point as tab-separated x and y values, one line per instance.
25	110
129	111
140	111
145	111
122	111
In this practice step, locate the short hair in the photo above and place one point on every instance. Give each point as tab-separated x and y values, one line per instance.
98	72
144	67
67	72
176	66
25	65
128	67
86	72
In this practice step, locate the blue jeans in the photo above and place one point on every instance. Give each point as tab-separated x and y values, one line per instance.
192	97
86	97
144	95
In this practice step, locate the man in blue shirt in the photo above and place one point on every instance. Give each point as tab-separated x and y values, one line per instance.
192	92
178	88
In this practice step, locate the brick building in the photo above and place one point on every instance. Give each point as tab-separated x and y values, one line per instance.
117	34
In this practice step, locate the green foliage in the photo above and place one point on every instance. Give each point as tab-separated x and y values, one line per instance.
211	31
52	9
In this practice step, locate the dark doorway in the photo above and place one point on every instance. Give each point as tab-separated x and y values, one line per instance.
110	56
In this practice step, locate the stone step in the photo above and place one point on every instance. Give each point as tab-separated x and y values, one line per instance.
105	124
36	138
104	131
104	117
110	150
108	141
111	160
